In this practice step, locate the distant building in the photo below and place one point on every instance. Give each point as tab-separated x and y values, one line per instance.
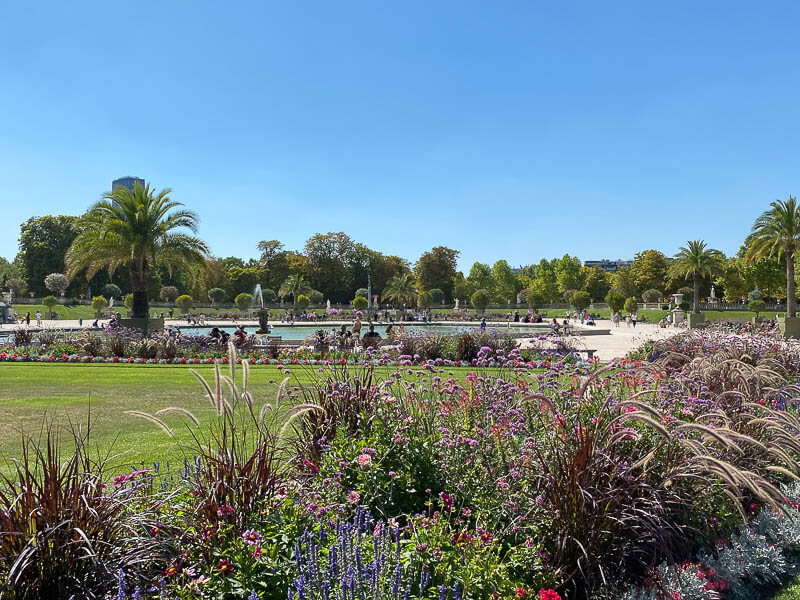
126	182
610	266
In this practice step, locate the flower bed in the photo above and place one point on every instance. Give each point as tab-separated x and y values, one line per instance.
567	481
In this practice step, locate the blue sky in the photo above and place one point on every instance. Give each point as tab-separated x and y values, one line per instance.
508	130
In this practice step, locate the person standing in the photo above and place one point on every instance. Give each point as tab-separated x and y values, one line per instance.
38	318
634	318
483	324
28	318
615	318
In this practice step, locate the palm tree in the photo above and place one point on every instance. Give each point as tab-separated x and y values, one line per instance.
696	262
400	289
135	227
777	232
294	286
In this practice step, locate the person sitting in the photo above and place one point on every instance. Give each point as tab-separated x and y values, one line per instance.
565	327
371	338
590	320
390	333
321	343
241	336
555	328
96	325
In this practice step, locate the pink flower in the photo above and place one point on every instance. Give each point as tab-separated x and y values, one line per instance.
364	460
257	552
251	537
225	510
353	497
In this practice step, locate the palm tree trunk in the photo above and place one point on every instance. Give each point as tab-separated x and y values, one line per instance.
696	299
140	276
791	302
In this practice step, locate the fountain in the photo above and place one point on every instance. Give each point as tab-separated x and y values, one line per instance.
257	305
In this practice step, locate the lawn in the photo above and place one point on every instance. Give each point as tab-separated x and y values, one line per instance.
32	394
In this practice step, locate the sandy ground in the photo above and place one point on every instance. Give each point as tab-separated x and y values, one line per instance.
620	340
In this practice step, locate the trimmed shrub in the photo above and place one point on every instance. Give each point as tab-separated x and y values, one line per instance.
480	300
168	293
216	294
184	302
303	302
243	301
360	303
615	300
631	305
111	290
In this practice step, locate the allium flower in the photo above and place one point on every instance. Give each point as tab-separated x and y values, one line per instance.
251	537
225	568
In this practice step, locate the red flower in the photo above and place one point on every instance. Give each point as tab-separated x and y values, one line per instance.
225	568
520	592
549	595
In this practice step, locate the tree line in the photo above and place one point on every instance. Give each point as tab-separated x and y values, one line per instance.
332	266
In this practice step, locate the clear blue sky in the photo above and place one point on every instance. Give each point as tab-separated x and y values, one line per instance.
503	129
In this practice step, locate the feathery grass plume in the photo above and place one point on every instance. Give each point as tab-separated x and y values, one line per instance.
205	385
179	410
152	419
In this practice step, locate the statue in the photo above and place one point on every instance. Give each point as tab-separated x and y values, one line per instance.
456	308
713	293
329	305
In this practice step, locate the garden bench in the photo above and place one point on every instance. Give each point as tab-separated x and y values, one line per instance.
589	352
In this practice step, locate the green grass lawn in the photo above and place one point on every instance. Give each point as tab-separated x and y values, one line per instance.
791	591
33	394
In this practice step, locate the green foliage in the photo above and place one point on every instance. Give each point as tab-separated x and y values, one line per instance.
596	281
757	306
50	302
696	262
480	299
651	295
294	286
755	295
649	270
128	301
481	277
362	292
400	290
424	300
43	243
534	299
580	300
631	305
243	301
624	282
568	273
303	302
111	290
688	293
17	286
437	269
268	295
184	302
360	303
56	282
437	295
216	295
316	297
168	293
615	300
139	228
505	282
99	303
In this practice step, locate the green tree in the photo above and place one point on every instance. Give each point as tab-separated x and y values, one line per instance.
316	297
757	306
216	295
615	300
56	282
274	263
242	279
243	301
184	302
437	295
362	292
135	227
269	295
480	300
16	286
128	301
776	232
43	243
400	291
294	286
360	303
462	288
649	270
330	259
534	299
505	282
437	269
424	300
168	293
111	290
651	296
480	277
98	304
50	302
595	281
631	305
580	300
568	273
303	302
695	261
545	282
624	282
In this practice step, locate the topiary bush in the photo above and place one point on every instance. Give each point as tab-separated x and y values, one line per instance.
243	301
359	303
303	302
651	296
111	290
631	305
184	302
216	295
615	300
168	293
480	300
